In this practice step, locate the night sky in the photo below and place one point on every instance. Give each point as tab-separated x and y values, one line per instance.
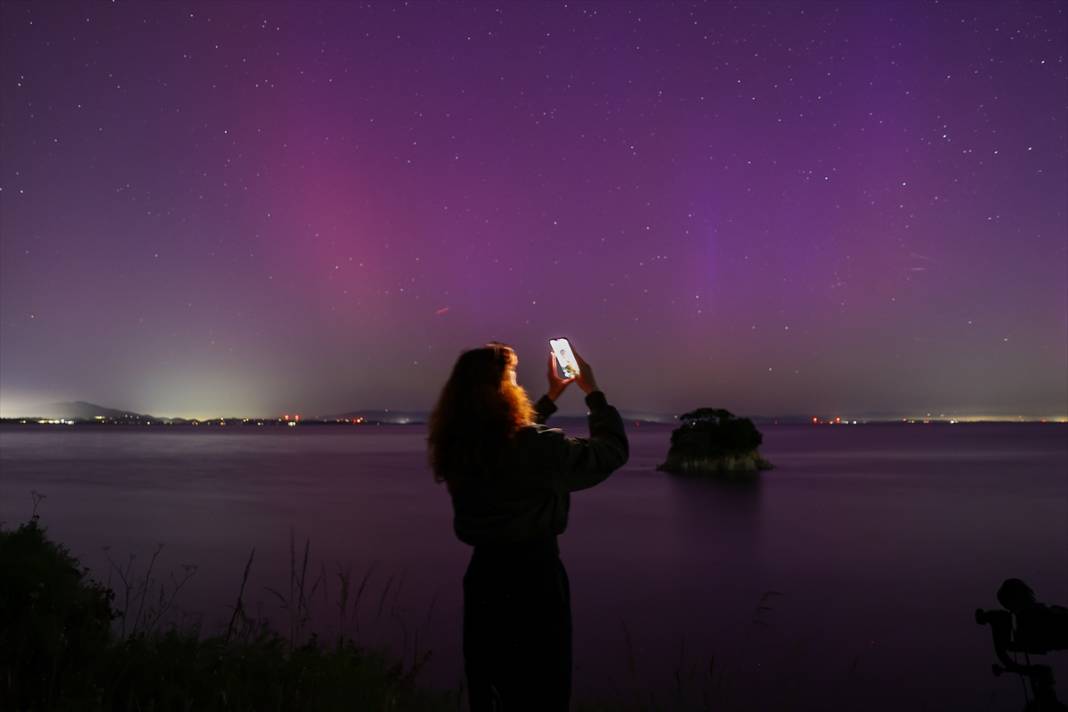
815	208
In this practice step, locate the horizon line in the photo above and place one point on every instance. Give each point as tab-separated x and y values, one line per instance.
631	414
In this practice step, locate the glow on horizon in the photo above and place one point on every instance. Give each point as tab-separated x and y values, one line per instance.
32	409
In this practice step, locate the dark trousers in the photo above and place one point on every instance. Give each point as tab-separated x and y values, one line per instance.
517	629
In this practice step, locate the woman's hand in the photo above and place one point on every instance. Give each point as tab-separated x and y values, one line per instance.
585	378
556	384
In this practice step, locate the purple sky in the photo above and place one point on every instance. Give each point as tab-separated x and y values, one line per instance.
255	208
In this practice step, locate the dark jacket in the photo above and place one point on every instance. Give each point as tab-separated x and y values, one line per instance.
530	499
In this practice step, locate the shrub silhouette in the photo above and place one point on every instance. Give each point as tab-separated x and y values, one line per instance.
54	619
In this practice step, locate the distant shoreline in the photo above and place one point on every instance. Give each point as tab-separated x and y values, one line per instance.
258	424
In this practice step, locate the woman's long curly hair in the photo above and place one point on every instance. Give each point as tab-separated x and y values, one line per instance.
477	415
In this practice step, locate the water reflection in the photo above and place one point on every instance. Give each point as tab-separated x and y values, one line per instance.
857	543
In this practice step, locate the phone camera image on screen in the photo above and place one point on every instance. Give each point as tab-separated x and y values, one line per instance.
565	358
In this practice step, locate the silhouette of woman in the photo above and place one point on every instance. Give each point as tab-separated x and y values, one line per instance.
509	476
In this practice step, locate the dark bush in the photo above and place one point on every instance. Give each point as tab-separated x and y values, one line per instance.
54	619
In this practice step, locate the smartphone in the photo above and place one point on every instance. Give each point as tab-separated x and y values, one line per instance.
565	358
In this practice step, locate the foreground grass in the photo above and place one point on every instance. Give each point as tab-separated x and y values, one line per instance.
68	642
59	651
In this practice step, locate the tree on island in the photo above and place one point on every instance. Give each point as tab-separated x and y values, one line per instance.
714	441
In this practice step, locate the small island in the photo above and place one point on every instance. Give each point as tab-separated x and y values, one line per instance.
715	441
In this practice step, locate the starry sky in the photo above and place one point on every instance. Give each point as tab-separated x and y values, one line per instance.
819	208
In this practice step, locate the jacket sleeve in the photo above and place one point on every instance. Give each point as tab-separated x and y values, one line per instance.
544	408
578	463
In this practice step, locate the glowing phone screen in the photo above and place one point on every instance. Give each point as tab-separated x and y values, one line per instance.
565	359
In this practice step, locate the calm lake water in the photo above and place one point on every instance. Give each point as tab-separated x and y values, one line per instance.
877	541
